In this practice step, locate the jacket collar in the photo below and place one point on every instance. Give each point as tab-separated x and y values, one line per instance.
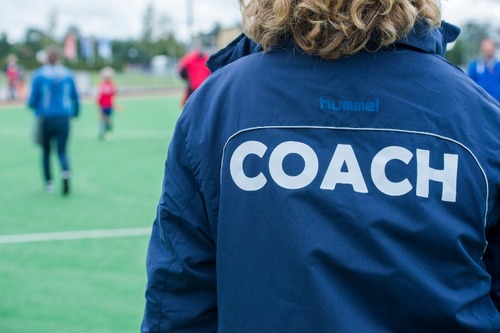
238	48
422	38
430	40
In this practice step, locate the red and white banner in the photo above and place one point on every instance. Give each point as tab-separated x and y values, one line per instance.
70	47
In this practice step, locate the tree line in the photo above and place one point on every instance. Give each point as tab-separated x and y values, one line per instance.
158	38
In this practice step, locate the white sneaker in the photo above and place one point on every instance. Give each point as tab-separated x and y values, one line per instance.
49	188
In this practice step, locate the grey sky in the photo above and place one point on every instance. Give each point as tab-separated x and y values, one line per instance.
123	18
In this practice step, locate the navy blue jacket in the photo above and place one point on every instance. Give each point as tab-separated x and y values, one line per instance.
355	195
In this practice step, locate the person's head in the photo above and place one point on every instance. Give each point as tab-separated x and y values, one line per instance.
335	28
488	49
11	59
52	55
197	47
107	73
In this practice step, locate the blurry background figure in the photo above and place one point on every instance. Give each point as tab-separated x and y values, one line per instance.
193	69
13	73
486	71
105	100
54	100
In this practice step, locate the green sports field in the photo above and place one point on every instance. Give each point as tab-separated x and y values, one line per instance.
77	263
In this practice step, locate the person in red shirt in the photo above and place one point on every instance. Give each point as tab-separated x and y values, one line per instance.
105	100
192	68
13	73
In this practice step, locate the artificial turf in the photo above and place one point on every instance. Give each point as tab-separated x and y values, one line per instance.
82	285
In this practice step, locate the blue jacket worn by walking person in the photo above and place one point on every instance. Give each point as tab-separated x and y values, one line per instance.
356	195
53	92
55	100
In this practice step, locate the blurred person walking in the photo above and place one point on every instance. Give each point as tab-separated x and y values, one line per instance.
105	100
54	100
193	69
345	179
486	71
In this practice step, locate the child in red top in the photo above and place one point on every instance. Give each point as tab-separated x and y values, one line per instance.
106	94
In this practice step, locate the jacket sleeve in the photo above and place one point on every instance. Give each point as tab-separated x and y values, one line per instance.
75	98
35	93
492	260
181	289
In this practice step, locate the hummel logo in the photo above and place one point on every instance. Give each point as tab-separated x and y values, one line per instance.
349	105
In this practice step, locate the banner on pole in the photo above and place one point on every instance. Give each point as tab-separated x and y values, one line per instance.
104	49
70	47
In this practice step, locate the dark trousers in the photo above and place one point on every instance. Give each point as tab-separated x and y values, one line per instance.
55	130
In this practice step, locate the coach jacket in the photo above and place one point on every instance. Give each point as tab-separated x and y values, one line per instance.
355	195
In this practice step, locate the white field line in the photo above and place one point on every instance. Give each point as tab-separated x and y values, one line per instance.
74	235
25	132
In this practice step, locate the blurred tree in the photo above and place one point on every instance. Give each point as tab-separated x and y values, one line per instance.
148	24
173	48
471	36
127	52
73	30
52	24
163	27
5	48
455	55
166	43
36	39
157	38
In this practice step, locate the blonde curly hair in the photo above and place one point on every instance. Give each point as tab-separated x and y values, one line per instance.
335	28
